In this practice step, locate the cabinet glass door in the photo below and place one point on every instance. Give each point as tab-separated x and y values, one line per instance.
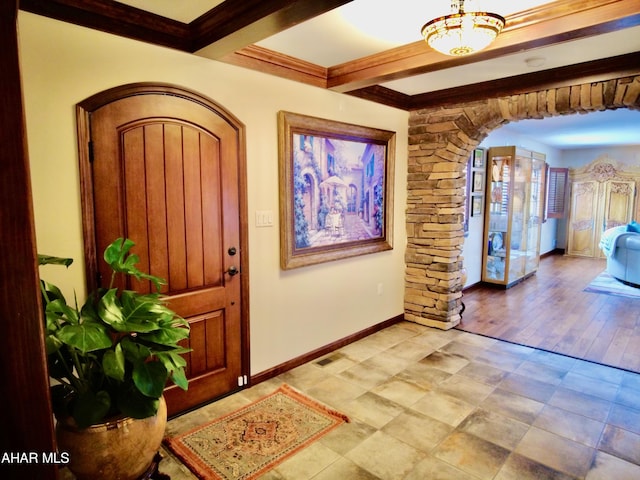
536	211
519	207
499	182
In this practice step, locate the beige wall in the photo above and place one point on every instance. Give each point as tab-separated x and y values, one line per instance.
292	312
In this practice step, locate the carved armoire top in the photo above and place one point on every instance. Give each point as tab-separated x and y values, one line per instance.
605	168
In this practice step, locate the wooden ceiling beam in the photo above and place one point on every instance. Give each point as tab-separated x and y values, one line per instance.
627	65
231	26
385	96
235	24
116	18
228	32
529	30
274	63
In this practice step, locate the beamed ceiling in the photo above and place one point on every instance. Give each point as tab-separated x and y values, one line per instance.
577	41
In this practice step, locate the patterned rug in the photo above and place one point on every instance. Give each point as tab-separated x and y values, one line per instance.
605	283
252	440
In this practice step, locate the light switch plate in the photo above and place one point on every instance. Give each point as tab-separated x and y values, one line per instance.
264	218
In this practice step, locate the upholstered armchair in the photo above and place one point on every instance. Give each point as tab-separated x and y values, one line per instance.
622	248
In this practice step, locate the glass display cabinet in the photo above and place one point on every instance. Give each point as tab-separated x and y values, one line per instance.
513	214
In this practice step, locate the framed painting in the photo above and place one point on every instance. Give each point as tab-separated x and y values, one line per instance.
478	158
478	182
336	190
476	205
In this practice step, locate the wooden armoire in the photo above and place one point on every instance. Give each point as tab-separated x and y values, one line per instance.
603	196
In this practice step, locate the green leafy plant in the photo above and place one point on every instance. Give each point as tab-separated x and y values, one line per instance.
115	353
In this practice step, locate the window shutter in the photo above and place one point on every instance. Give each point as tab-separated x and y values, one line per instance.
557	192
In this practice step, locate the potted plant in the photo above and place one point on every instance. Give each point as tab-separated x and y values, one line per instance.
110	360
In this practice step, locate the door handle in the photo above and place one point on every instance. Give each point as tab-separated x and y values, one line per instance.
233	271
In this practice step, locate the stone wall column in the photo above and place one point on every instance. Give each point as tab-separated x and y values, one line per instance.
438	152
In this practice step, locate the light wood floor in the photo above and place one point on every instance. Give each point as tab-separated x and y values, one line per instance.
551	311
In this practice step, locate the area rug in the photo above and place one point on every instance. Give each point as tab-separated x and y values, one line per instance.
605	283
254	439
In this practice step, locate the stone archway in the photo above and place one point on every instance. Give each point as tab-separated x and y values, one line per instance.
440	142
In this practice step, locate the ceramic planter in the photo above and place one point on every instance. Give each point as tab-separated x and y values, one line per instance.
121	449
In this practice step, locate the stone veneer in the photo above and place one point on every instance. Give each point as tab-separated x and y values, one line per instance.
440	142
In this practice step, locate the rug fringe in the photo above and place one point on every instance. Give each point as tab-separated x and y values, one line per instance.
305	399
191	462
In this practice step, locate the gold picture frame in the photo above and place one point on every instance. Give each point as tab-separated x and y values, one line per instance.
336	189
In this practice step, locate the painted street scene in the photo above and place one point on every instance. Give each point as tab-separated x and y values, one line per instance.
338	190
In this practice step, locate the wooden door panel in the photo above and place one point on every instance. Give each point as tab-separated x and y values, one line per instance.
212	218
584	199
192	208
165	174
207	341
198	302
156	203
619	198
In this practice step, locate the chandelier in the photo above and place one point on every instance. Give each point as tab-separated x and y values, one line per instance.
462	33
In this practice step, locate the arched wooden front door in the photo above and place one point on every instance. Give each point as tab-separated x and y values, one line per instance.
165	168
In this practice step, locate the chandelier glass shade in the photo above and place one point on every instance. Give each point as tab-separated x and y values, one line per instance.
463	32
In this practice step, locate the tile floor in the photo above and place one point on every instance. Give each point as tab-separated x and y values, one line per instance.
430	404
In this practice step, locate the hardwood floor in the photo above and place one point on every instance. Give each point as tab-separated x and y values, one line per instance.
551	311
